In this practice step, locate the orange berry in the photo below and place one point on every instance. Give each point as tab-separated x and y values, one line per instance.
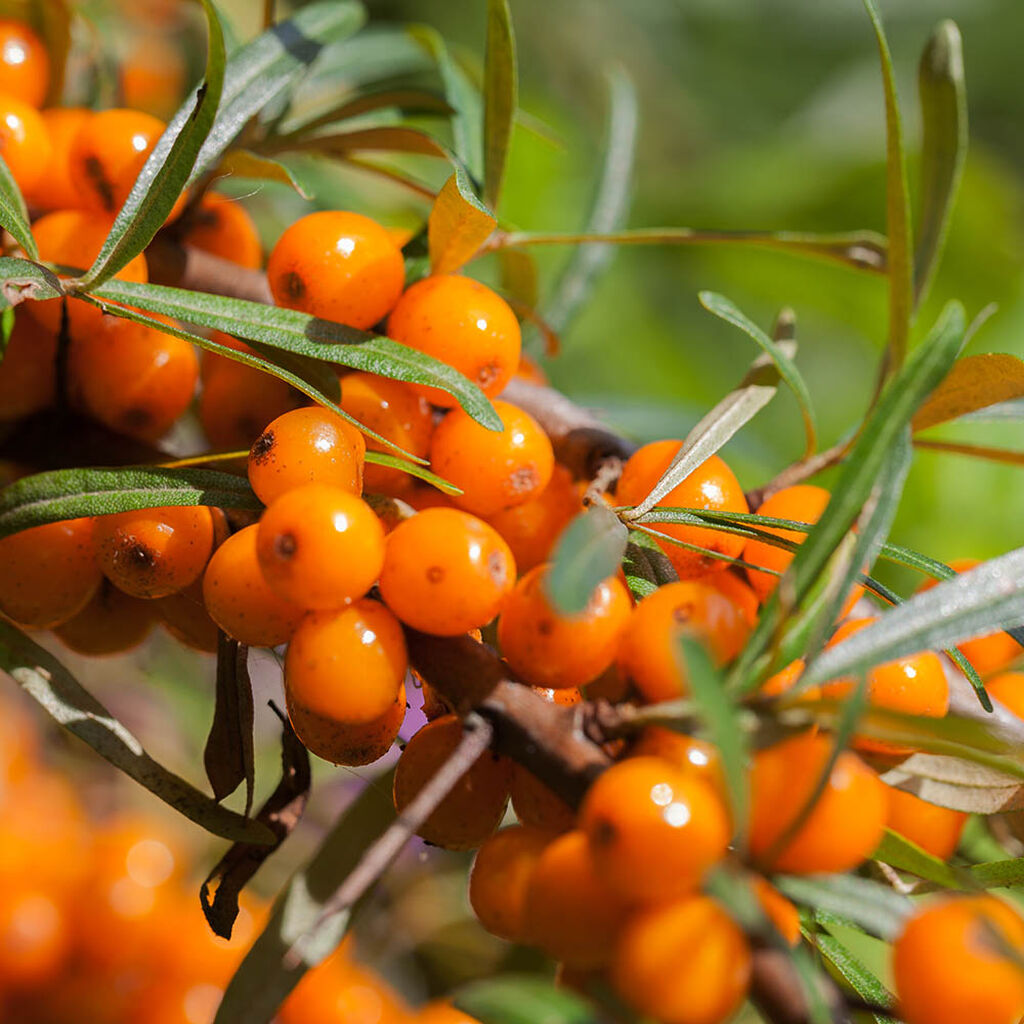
28	376
784	917
549	649
949	968
499	878
647	811
495	469
24	63
1008	689
152	73
785	679
55	188
537	804
569	911
423	496
240	600
531	371
740	593
135	379
464	324
48	573
154	552
24	141
185	617
712	487
112	622
338	266
446	572
306	446
843	827
685	962
222	226
395	411
650	651
690	755
473	808
935	829
320	546
35	937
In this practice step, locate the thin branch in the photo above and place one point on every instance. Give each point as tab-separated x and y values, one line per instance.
798	472
184	266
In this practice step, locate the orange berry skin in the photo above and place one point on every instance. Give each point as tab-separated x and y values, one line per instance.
785	679
649	652
155	552
712	486
222	227
395	411
28	376
844	826
48	573
320	546
111	623
537	804
184	616
24	141
306	446
646	811
936	830
1008	689
464	324
685	962
780	912
446	572
692	756
740	593
56	189
35	937
531	371
499	878
240	600
24	63
476	804
548	649
494	469
948	967
338	266
348	665
569	911
135	379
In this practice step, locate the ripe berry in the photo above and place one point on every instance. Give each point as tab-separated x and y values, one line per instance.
320	546
35	937
24	63
499	878
443	1013
569	911
740	593
239	599
464	324
338	266
711	487
692	756
24	142
548	649
782	915
446	572
646	811
949	965
112	622
935	829
650	651
306	446
48	573
56	189
185	617
474	807
154	552
784	680
28	376
222	227
395	411
1008	689
845	824
685	962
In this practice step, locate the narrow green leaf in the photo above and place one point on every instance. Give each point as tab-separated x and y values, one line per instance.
6	329
23	279
413	469
50	684
71	493
501	96
522	999
243	163
590	550
645	565
13	214
384	139
459	224
899	852
405	100
943	95
856	975
1000	874
875	907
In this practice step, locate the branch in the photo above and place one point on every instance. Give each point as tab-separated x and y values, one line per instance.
184	266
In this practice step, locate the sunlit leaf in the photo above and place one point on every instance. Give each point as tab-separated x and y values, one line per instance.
589	550
23	279
856	975
522	999
242	163
974	382
13	214
459	224
899	852
501	96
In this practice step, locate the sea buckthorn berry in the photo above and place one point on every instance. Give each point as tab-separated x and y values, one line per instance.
442	1012
685	962
240	600
395	411
537	804
1008	689
841	830
784	917
474	807
185	617
24	63
55	189
35	937
649	652
48	573
24	142
499	877
785	679
338	266
936	830
741	594
949	964
306	446
569	911
320	546
549	649
531	371
446	572
688	754
712	486
464	324
495	469
28	375
112	622
135	379
646	811
346	666
154	552
222	226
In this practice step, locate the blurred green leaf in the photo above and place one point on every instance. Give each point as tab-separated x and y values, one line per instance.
973	383
899	852
243	163
873	906
974	451
6	328
459	224
23	279
590	550
523	999
52	19
413	469
406	100
501	96
13	214
856	975
383	139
